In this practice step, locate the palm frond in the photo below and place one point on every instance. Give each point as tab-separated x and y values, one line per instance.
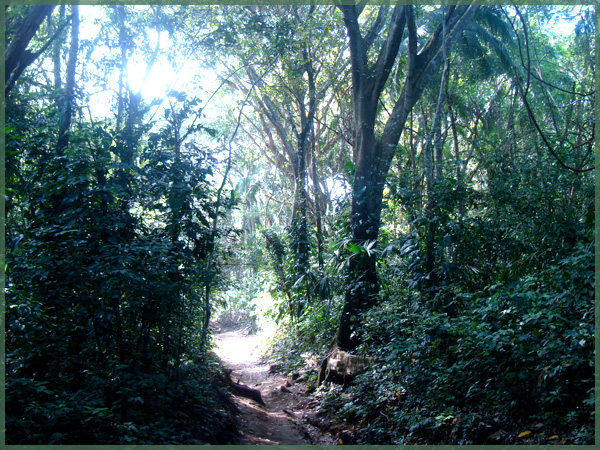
492	16
496	47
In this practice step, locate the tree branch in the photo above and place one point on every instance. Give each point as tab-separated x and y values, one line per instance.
388	52
376	27
523	95
358	56
422	67
25	32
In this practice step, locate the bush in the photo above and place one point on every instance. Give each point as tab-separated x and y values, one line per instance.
303	343
519	354
140	409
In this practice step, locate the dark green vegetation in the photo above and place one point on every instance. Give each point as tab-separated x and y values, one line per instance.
109	240
414	184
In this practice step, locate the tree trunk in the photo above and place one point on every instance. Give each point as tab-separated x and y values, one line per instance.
317	203
299	215
433	171
430	209
367	197
66	111
56	52
373	155
16	57
120	14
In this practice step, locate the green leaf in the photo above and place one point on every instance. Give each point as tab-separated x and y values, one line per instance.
349	167
354	248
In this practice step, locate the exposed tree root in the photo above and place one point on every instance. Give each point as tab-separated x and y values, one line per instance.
242	390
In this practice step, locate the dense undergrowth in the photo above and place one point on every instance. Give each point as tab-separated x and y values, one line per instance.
122	408
106	336
469	277
510	362
519	359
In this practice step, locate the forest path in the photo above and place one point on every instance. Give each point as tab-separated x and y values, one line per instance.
280	420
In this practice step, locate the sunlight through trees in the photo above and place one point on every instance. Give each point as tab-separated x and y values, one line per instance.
402	194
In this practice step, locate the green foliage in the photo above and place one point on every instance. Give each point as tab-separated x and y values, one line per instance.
297	290
106	266
522	352
300	345
485	263
280	264
199	410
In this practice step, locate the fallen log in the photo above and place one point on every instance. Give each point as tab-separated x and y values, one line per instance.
242	390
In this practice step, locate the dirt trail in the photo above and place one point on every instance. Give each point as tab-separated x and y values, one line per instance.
280	420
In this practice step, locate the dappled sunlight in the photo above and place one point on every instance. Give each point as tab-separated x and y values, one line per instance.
234	350
280	419
225	223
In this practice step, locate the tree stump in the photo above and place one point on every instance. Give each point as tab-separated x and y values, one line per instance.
342	365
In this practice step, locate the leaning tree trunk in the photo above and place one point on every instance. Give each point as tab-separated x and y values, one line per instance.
16	56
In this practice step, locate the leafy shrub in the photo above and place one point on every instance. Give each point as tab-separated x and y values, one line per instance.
141	409
303	343
104	313
519	353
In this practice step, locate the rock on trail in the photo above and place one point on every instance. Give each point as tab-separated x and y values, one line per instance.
280	420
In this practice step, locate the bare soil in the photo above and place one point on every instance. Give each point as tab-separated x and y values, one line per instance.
281	421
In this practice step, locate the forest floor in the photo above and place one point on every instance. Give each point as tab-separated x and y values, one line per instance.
281	420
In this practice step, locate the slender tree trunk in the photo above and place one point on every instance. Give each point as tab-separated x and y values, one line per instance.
299	216
66	112
120	12
433	171
318	200
66	99
430	210
56	53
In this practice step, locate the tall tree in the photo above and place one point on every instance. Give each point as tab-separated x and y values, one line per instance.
288	99
375	138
